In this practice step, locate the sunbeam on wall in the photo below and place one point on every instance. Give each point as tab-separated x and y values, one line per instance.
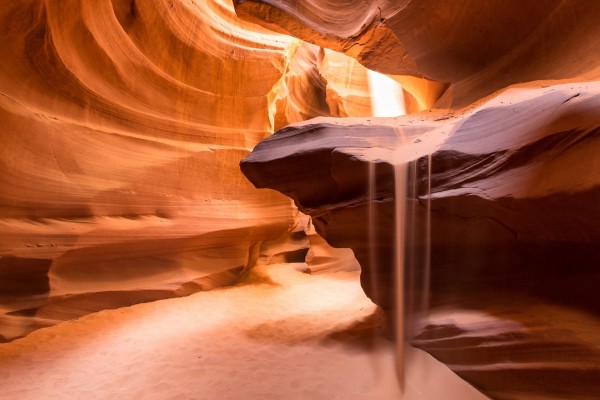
387	98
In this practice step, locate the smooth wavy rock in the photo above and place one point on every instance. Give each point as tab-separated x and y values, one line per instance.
123	124
476	47
514	193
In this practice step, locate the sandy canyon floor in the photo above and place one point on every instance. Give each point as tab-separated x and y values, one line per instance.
280	334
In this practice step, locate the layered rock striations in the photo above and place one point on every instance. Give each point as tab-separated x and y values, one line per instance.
513	222
476	47
123	123
122	127
501	179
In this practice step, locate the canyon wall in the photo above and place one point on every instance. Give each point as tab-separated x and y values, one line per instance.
122	127
501	219
502	181
124	123
476	48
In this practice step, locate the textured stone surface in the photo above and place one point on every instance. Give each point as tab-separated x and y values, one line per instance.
478	47
123	123
514	188
122	129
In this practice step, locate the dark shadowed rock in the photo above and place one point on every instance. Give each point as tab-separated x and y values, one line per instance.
514	193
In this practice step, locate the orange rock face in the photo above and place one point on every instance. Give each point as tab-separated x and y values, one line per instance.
501	195
476	47
124	124
512	220
122	129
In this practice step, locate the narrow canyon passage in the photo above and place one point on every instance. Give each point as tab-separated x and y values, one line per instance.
300	199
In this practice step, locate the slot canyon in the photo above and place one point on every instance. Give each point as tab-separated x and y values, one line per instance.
300	199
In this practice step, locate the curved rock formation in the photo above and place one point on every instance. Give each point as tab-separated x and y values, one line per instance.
477	47
502	191
514	188
122	130
123	126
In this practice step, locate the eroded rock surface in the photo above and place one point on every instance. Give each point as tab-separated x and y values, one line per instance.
122	129
123	123
514	187
477	47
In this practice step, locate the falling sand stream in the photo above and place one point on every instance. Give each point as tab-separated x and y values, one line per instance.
412	246
412	224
